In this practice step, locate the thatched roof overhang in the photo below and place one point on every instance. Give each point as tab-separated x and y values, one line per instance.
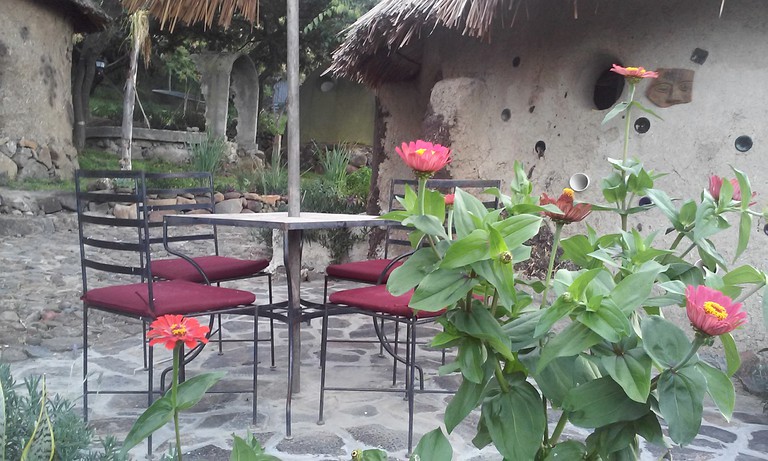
382	46
85	14
168	12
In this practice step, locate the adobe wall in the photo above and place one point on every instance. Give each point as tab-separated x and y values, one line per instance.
543	71
35	90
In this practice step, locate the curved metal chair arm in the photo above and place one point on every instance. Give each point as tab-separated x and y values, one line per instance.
389	266
182	255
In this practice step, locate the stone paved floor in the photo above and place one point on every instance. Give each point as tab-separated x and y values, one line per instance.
40	284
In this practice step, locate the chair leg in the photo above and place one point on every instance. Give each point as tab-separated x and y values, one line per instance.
85	364
394	360
221	349
381	346
144	342
323	356
256	361
271	327
411	343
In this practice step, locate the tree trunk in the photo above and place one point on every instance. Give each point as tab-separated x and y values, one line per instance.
129	100
82	81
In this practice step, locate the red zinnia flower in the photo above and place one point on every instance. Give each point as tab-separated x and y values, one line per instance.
449	199
716	183
570	212
424	157
170	329
634	73
711	312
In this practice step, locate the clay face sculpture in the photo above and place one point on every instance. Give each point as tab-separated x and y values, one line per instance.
674	86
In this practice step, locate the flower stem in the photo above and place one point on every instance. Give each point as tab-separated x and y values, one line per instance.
174	387
698	341
555	244
628	120
677	241
503	384
749	293
558	429
422	191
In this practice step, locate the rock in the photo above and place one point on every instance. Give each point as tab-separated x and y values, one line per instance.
181	200
8	167
37	352
231	195
157	216
254	206
49	204
753	373
246	210
177	155
33	169
9	148
270	200
124	211
161	201
358	158
218	197
24	142
68	201
234	205
43	155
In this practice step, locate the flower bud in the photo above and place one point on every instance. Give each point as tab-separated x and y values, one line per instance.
505	257
567	297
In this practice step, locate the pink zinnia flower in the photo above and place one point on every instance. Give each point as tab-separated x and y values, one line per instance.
711	312
716	183
424	157
570	212
449	199
634	73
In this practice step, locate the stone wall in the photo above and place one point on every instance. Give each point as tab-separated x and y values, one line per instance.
35	89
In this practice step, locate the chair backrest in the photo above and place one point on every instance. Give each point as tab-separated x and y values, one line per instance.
396	240
116	244
174	193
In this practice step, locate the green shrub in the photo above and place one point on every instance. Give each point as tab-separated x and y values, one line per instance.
208	154
72	437
359	184
334	163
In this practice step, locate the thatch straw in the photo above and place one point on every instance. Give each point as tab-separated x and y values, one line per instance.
168	12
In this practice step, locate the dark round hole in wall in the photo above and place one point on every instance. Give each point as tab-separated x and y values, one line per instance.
540	147
743	143
506	115
645	201
765	229
516	61
608	89
642	125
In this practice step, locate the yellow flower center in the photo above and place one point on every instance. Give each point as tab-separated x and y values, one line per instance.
569	192
178	330
713	308
421	151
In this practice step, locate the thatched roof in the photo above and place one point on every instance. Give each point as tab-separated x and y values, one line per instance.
86	15
168	12
376	50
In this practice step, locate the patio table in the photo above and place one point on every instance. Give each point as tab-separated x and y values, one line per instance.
292	227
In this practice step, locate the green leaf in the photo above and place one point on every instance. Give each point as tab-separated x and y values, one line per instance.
743	275
732	357
568	450
680	402
649	428
608	321
427	224
470	249
664	342
631	369
579	285
156	416
688	213
601	402
471	358
616	110
559	309
192	390
562	375
613	187
468	213
374	454
501	276
663	203
463	402
720	388
483	437
609	441
645	109
249	450
41	445
481	324
517	229
414	269
575	338
745	227
515	421
634	289
441	289
433	445
397	215
577	249
3	424
434	204
765	308
745	187
520	331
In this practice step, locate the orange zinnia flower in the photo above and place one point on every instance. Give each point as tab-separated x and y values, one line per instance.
171	329
570	212
424	157
711	312
716	183
634	73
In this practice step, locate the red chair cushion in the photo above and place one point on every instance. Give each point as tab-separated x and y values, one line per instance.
363	271
170	297
376	298
216	268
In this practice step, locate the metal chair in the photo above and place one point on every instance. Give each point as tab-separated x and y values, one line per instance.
115	255
192	192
